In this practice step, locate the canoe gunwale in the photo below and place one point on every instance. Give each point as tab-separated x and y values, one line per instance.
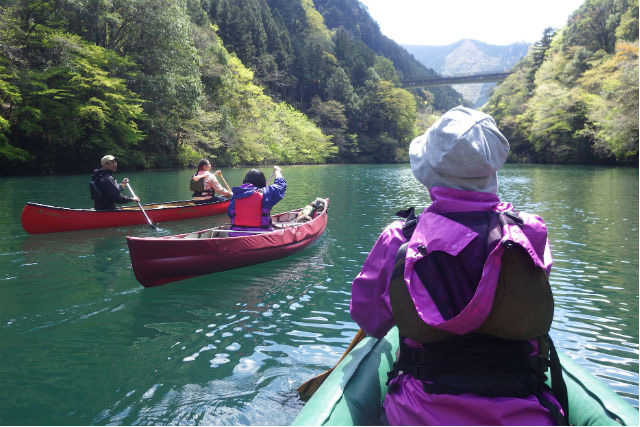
146	207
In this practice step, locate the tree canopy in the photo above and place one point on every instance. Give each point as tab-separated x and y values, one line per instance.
574	97
163	83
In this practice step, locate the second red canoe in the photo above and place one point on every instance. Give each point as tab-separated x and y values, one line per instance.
160	260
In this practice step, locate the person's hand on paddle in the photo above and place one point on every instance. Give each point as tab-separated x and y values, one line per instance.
277	171
228	193
125	182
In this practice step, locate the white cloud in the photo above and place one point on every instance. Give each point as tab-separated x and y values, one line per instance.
441	22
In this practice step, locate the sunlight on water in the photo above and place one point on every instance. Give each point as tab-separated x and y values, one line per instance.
84	343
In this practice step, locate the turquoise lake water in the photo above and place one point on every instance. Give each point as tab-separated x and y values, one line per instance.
82	342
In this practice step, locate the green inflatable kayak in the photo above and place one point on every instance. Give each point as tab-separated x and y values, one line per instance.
353	393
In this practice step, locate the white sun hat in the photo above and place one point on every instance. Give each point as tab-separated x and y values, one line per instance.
463	150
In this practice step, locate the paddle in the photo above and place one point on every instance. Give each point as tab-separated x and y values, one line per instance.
306	390
225	182
271	177
142	210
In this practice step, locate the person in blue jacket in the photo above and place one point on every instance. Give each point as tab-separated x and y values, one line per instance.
251	203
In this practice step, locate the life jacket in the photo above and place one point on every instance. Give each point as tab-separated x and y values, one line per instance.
522	306
196	185
249	212
198	188
496	359
95	185
95	192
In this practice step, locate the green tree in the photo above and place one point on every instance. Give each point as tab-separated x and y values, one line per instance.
390	116
628	28
73	110
338	87
594	24
330	117
10	98
538	52
613	104
582	106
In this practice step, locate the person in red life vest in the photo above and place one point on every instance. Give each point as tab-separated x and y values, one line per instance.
251	204
205	185
466	283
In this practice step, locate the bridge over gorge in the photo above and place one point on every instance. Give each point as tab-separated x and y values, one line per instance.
457	79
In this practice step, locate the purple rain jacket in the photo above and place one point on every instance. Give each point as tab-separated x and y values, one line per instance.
371	309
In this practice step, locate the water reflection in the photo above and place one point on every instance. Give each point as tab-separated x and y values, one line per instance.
221	338
84	343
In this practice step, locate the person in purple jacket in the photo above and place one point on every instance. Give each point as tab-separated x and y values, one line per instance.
466	283
251	203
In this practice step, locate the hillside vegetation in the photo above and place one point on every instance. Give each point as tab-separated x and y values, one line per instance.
329	59
574	97
163	83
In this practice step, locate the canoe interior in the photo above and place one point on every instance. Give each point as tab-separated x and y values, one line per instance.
280	222
167	205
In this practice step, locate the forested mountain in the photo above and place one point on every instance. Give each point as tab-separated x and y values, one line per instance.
470	57
329	59
162	83
146	80
574	97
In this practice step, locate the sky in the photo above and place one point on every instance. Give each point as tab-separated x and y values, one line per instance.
442	22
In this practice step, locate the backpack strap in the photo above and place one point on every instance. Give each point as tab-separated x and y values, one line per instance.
558	386
410	223
94	189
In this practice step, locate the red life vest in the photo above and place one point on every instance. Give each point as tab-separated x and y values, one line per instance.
249	211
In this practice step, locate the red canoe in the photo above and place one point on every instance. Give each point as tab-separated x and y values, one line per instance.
160	260
37	218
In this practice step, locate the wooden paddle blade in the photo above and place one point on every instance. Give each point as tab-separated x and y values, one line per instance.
309	387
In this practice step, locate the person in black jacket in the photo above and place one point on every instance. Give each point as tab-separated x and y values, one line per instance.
105	190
